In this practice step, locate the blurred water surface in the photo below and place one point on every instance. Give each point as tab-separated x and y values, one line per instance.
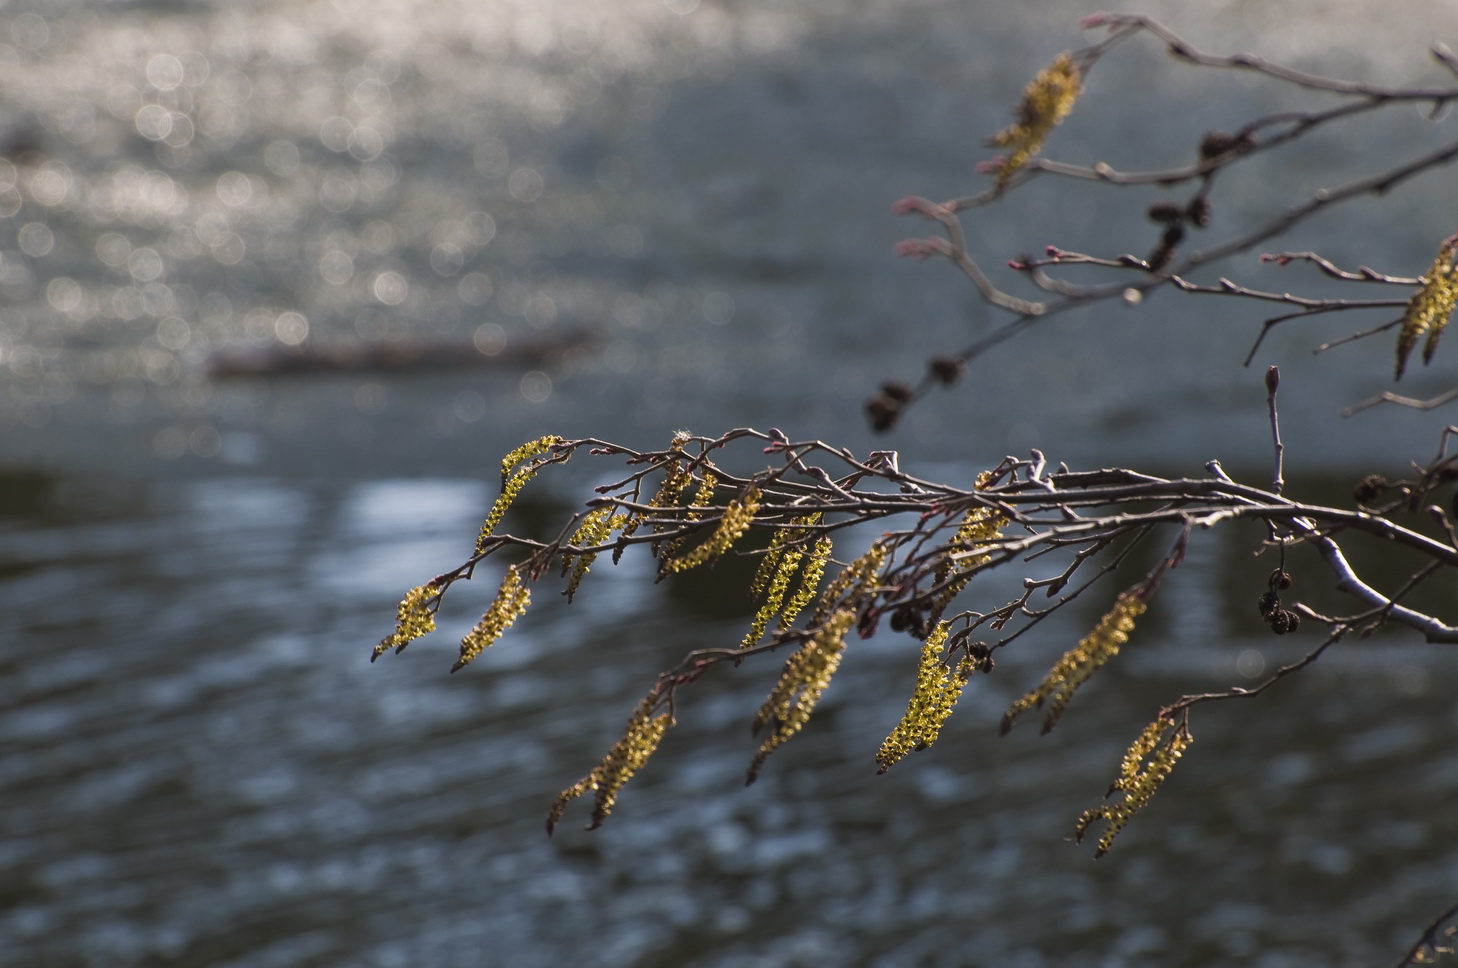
198	766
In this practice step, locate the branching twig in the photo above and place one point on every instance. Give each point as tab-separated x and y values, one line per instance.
1437	939
1165	266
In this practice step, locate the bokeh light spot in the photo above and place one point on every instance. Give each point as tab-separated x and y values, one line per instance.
526	185
391	288
490	339
536	386
292	328
35	239
164	72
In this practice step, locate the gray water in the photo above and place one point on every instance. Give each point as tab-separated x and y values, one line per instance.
197	764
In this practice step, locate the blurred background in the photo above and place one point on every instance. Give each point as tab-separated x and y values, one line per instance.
245	248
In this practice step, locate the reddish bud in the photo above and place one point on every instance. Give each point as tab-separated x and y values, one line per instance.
910	203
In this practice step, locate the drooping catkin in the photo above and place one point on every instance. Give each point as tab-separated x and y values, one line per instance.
627	757
1431	307
597	525
810	576
413	618
1146	765
666	550
851	583
779	566
735	520
511	601
511	484
675	479
806	674
1046	102
938	686
979	527
1080	662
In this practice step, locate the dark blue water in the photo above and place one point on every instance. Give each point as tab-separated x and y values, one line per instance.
198	766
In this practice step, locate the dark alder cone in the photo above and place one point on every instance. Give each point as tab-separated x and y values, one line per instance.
1269	603
981	656
1160	257
1166	212
896	390
1369	488
883	411
1215	143
1285	621
1199	212
947	369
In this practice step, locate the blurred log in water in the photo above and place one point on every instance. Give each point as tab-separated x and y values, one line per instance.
393	356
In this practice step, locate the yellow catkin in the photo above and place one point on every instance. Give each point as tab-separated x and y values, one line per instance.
415	617
810	577
1146	765
675	479
851	582
1046	102
1074	669
529	449
737	516
1430	308
511	601
938	687
702	498
783	540
594	530
776	570
1148	741
628	756
979	527
511	484
806	675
